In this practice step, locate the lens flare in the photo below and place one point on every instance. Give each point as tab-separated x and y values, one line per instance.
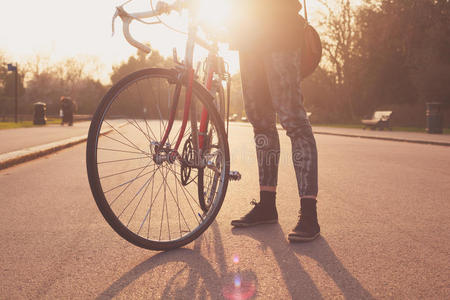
237	281
241	287
214	12
236	259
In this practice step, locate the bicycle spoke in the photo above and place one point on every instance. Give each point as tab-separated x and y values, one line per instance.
117	150
150	208
157	107
136	125
179	223
122	143
137	148
151	198
187	133
176	201
128	183
134	197
184	189
140	200
120	160
159	102
164	206
123	172
143	114
165	200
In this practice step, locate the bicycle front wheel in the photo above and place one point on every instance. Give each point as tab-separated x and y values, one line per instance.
148	192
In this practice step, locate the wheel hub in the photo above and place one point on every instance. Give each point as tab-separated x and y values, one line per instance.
165	154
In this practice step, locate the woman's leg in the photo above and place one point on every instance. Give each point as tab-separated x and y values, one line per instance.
283	73
262	116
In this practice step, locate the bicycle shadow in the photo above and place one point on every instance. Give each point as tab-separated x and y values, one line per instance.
202	278
297	280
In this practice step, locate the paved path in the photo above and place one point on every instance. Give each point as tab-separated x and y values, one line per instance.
21	138
415	137
24	138
383	209
24	144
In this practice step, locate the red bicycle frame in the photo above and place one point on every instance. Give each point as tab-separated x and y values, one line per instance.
188	75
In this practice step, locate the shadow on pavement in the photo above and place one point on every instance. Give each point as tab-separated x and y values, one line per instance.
203	281
320	251
297	280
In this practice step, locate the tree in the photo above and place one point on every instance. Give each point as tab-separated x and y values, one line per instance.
385	54
404	47
339	40
69	77
8	86
140	61
236	100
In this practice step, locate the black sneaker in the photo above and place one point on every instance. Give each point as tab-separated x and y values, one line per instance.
307	228
259	214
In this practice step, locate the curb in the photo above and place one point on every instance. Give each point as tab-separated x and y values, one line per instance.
447	144
20	156
423	142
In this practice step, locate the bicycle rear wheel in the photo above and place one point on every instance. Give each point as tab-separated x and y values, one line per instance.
207	178
145	192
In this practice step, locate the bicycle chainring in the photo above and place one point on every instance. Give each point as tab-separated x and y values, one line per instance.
187	156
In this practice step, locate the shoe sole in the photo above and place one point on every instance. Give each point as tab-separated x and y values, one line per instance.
296	238
239	224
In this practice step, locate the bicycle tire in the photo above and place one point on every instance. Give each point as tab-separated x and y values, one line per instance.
115	94
219	102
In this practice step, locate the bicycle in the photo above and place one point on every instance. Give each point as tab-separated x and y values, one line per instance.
160	173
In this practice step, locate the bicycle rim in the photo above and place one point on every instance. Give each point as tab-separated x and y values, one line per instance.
152	200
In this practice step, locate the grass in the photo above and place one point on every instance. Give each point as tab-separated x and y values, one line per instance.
22	124
394	128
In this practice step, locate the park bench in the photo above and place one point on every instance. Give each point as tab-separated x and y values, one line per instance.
380	120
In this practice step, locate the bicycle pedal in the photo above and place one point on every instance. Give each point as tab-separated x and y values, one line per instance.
235	176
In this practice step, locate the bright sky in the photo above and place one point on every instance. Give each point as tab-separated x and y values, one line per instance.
58	29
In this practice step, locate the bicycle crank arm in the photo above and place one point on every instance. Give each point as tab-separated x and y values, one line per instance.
233	176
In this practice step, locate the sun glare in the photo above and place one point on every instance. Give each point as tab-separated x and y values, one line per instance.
214	12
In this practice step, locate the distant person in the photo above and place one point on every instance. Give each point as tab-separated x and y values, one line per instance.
268	35
67	110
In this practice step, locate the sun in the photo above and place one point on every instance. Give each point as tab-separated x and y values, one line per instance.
213	16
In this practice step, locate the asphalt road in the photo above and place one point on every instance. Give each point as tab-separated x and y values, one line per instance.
383	208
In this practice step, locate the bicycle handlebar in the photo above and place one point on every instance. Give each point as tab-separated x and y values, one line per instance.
161	8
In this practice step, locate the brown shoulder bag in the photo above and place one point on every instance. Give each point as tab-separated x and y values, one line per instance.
311	48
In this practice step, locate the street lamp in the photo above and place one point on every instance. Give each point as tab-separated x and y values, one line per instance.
13	68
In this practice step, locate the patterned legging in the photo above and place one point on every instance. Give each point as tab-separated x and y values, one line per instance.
271	86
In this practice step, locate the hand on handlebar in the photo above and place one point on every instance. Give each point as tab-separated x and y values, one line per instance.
163	7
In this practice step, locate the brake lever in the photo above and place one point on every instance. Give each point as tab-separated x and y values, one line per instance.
120	12
114	20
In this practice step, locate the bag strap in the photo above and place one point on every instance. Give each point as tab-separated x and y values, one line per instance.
306	12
